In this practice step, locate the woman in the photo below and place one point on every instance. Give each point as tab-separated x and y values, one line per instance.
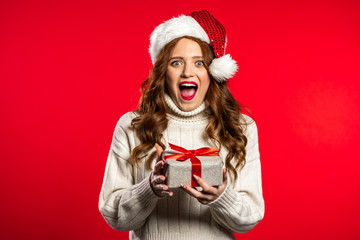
185	102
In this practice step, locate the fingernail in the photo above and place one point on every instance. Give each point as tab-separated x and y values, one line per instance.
165	188
163	178
183	186
171	193
196	177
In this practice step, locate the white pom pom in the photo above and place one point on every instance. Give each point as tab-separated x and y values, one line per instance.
223	68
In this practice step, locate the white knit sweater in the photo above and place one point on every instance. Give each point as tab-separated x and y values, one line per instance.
128	203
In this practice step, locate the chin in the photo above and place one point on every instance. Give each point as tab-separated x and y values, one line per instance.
186	105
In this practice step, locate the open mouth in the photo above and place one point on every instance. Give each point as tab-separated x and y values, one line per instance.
188	90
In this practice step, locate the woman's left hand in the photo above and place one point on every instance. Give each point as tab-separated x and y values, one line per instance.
209	193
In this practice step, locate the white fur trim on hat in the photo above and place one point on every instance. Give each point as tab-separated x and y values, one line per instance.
223	68
174	28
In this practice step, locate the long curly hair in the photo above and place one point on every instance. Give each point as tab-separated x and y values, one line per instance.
226	125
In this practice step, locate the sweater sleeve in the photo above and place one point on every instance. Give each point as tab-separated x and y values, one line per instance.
124	205
241	206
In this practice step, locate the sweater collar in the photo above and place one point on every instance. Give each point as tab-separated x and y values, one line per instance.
176	113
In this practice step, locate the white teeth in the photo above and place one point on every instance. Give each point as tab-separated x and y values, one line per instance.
188	85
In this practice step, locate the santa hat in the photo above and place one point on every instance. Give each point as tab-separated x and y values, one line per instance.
201	25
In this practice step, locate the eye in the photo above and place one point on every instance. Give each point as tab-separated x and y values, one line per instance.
175	63
200	63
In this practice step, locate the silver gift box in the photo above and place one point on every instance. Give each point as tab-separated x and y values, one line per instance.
178	172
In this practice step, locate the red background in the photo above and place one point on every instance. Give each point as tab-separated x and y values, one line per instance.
70	69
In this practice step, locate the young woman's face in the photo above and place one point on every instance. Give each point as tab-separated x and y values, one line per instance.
186	77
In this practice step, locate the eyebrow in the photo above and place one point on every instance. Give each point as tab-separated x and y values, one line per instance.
194	57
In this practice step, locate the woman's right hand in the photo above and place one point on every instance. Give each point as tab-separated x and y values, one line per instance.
157	180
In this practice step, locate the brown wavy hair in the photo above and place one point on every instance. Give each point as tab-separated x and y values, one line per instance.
226	125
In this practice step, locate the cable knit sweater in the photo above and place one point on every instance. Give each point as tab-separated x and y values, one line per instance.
128	203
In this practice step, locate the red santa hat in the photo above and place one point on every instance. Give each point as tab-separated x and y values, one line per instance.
202	25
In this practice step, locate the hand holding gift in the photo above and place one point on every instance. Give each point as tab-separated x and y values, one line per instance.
209	193
157	180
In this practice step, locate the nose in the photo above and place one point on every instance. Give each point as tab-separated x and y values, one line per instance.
187	71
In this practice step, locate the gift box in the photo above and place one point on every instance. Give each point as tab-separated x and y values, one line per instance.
181	164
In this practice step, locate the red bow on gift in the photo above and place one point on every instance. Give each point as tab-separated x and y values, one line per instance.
195	162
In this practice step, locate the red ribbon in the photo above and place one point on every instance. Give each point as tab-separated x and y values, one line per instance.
195	162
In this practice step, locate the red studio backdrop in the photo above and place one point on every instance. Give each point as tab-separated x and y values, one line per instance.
70	69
